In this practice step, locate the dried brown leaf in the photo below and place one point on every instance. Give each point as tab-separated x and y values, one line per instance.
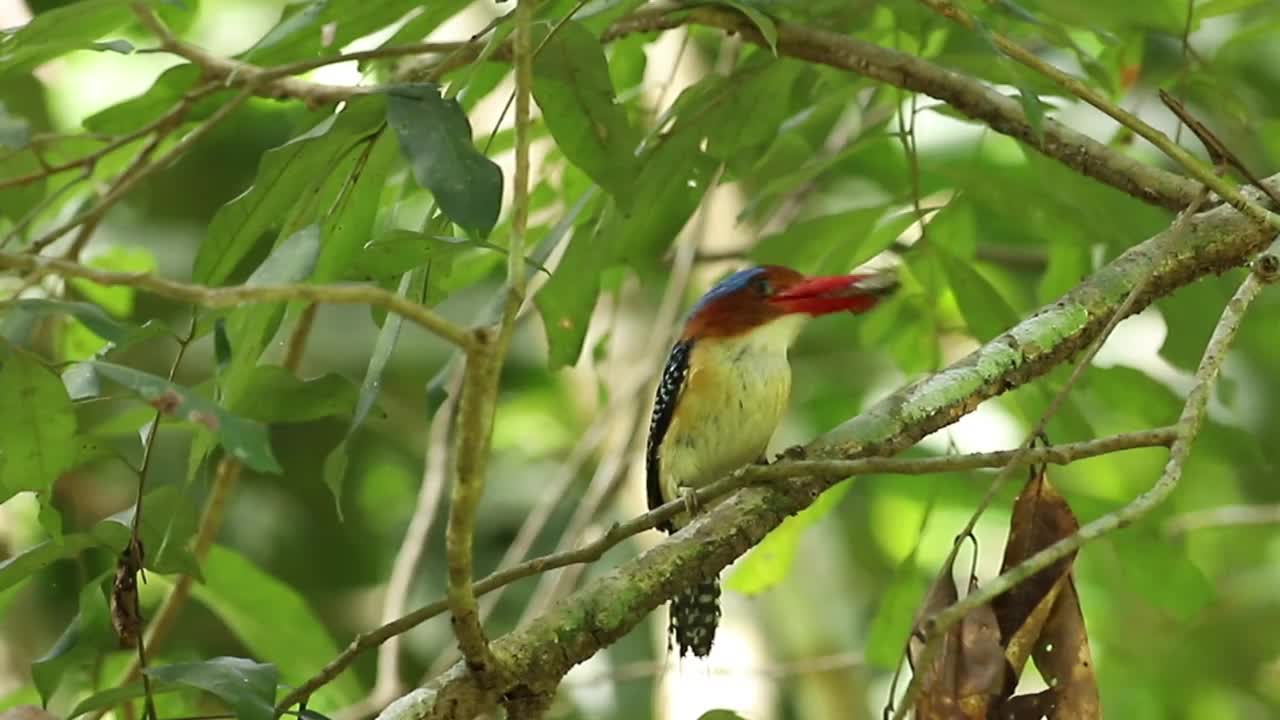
1064	659
966	677
126	612
1041	517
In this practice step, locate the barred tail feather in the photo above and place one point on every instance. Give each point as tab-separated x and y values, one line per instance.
695	613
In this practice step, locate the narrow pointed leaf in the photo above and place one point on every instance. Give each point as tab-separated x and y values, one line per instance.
244	439
247	687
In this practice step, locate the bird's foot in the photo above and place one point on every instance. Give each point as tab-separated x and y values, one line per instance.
795	452
691	502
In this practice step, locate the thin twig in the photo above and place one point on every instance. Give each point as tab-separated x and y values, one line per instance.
338	294
235	72
1186	429
646	670
1194	167
138	172
1059	454
225	479
1222	517
135	531
387	681
1139	287
1217	149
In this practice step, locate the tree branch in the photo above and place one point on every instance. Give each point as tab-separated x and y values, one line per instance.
1187	427
970	97
209	297
1224	516
752	474
264	82
608	608
480	388
1197	169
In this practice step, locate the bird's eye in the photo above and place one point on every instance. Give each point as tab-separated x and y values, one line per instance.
760	286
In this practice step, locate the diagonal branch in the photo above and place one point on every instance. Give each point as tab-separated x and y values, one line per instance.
782	470
612	605
1187	427
1164	143
967	95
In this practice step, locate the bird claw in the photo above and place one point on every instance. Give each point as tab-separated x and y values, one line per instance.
691	503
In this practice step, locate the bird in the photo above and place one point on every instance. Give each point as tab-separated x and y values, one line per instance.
722	393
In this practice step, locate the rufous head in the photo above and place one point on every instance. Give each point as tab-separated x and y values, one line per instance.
755	296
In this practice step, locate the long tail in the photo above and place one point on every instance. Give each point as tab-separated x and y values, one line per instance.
695	613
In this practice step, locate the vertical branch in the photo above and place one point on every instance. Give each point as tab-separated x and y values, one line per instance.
479	396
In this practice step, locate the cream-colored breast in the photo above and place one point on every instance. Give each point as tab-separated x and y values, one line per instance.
734	398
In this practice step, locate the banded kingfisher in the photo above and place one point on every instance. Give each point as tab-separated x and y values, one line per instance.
723	392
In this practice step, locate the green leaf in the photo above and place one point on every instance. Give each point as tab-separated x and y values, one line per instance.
1027	97
826	244
37	426
730	114
244	439
420	26
1162	573
286	177
272	620
117	300
117	333
37	557
16	202
334	472
273	394
985	311
768	29
566	301
768	563
111	697
169	520
324	27
59	30
335	465
14	129
247	687
399	251
895	617
351	224
163	95
251	328
571	84
87	635
720	714
673	178
435	139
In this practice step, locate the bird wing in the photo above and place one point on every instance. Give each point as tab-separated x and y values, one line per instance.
670	390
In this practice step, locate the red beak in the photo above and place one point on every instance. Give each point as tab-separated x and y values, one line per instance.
835	293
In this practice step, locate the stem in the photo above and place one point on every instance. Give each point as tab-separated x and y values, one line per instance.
1194	167
228	297
787	469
